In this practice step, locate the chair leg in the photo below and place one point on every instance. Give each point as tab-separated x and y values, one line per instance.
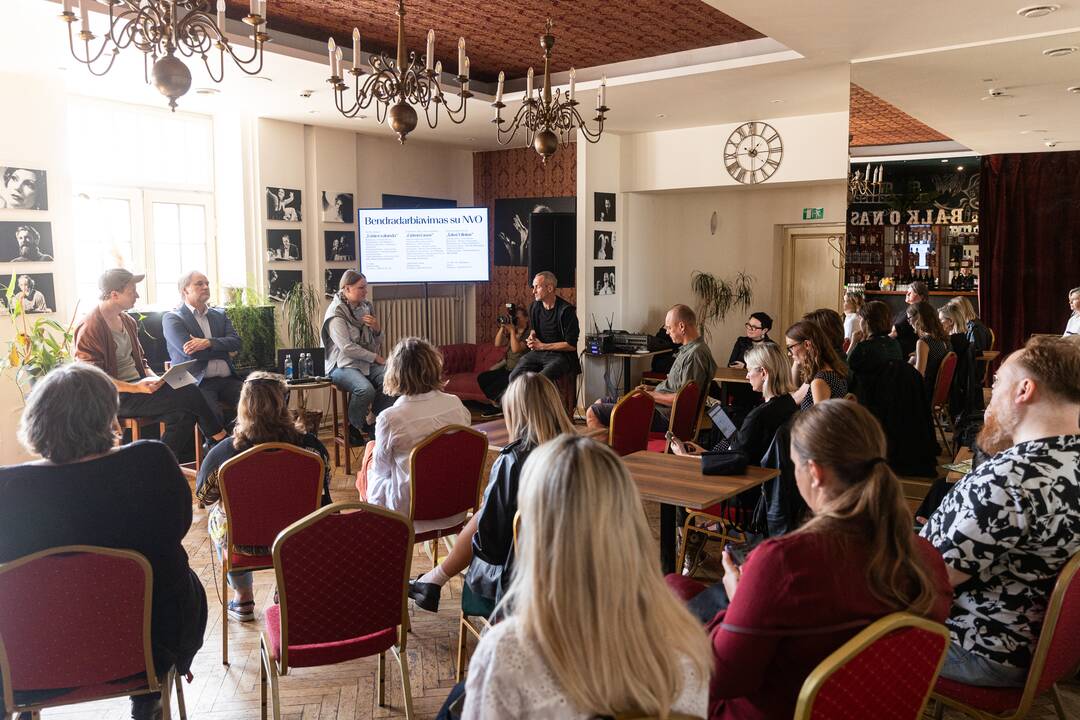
939	709
380	678
681	558
1058	706
166	694
263	660
460	670
406	688
181	706
269	671
224	612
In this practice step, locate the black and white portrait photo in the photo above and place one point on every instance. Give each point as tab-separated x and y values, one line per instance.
340	245
337	206
283	204
511	225
333	280
23	189
604	207
283	245
603	245
34	292
26	242
282	281
604	281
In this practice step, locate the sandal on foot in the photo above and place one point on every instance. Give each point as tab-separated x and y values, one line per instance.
242	611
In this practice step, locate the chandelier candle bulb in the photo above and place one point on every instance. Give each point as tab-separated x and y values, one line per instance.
262	10
330	46
438	67
573	76
461	55
84	15
221	14
429	56
603	90
337	62
356	48
499	89
529	84
254	7
67	6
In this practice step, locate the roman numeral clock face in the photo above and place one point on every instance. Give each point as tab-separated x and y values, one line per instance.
753	152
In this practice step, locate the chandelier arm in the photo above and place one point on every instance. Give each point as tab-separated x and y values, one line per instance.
87	59
520	117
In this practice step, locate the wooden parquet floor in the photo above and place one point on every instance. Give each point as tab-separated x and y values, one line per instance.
346	691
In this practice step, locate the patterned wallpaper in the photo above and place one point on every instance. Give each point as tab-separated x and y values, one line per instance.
505	36
513	174
873	121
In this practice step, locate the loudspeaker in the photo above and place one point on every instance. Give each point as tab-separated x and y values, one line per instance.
553	246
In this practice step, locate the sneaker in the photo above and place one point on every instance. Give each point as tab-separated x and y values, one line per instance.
242	611
356	438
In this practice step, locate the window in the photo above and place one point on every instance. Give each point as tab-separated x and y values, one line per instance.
143	196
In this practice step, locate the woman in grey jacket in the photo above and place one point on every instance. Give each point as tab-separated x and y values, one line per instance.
352	337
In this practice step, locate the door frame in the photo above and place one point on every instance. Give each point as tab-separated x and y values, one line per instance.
791	233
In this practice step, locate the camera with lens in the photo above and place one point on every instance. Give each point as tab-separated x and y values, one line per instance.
508	318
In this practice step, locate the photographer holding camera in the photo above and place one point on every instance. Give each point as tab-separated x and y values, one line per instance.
513	329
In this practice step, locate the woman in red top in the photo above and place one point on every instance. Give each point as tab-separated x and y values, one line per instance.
799	597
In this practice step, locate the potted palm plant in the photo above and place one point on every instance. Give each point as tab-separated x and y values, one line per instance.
300	311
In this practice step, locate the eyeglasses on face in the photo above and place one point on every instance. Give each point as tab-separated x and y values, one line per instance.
753	327
790	346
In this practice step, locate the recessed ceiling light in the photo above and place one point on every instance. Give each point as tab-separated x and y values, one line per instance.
944	159
776	101
989	79
1031	132
959	168
1021	115
313	112
470	139
1037	11
661	115
1060	51
1075	89
206	91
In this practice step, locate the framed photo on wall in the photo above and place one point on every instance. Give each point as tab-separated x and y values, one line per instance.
339	245
511	225
23	188
283	245
604	280
35	292
603	245
284	204
26	242
337	207
604	207
333	279
281	282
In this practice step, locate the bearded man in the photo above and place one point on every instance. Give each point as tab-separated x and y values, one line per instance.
1006	529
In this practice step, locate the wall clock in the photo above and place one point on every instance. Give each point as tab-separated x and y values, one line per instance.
753	152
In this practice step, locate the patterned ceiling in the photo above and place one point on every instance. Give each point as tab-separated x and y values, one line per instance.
505	36
873	121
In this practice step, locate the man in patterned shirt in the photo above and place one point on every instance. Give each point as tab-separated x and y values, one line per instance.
1006	529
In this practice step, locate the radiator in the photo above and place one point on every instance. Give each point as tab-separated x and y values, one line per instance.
402	317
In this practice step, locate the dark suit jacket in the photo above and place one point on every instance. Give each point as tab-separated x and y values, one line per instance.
179	326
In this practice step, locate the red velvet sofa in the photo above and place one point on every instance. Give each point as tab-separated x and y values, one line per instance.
463	362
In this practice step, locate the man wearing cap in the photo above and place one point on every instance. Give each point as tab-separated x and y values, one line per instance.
108	338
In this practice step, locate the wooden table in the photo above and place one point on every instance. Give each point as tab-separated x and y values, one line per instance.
499	436
731	374
677	481
964	453
990	355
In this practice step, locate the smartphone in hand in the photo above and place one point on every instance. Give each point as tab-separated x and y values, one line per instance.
737	553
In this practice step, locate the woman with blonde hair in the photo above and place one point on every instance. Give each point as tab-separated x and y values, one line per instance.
414	375
800	596
534	414
590	628
853	302
262	416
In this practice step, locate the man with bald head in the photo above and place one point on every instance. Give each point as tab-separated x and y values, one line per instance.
196	331
1006	529
694	361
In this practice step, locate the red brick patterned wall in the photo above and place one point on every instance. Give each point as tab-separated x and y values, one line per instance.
516	173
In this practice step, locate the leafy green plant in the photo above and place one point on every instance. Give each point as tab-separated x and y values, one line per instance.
253	317
300	310
38	347
744	290
717	296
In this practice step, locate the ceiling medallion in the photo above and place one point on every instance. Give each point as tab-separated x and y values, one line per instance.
546	117
396	85
160	29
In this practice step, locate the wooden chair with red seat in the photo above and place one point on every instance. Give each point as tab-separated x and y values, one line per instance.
342	579
685	417
81	632
264	490
446	472
1056	656
885	672
631	420
939	404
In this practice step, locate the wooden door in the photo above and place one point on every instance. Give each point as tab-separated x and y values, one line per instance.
813	278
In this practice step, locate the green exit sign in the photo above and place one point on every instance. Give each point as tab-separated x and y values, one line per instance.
813	213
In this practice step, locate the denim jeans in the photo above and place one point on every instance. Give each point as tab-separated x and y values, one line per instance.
366	391
238	579
972	669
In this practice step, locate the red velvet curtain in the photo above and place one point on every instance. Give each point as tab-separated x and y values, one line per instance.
1029	243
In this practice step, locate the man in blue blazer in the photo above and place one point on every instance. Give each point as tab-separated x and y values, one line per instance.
195	331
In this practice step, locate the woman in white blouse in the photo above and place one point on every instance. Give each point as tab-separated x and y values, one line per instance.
414	374
590	627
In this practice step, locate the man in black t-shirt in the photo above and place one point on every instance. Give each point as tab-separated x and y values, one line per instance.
553	340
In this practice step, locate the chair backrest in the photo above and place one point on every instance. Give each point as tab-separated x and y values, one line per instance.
943	381
1057	653
342	573
631	419
83	619
445	472
684	411
266	488
886	672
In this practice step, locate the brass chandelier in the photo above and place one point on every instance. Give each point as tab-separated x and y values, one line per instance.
548	116
160	29
395	85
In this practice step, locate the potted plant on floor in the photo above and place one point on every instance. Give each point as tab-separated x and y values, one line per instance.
253	317
300	311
